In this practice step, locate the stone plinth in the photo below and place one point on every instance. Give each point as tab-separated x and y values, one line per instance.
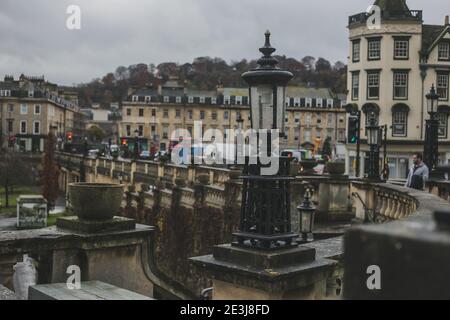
121	258
411	258
85	226
334	200
90	290
246	274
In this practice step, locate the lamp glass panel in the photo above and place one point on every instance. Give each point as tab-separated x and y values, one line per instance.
306	221
262	107
281	108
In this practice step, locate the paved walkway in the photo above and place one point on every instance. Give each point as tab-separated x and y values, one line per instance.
8	224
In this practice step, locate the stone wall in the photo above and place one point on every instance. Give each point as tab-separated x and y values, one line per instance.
193	208
190	221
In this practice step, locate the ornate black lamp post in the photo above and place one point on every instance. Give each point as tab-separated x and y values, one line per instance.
136	145
83	160
307	213
431	144
373	136
265	221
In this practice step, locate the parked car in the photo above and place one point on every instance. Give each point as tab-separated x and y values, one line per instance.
93	153
160	154
298	155
145	155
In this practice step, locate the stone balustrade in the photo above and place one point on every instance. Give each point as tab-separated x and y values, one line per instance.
381	202
203	212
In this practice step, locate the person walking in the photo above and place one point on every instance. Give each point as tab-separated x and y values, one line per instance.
418	173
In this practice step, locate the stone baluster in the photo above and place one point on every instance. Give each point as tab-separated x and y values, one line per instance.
400	208
174	174
384	203
211	177
378	202
396	212
391	207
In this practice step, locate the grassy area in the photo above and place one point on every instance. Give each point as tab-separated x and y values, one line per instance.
12	199
51	220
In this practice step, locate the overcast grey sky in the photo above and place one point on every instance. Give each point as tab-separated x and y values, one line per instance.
34	39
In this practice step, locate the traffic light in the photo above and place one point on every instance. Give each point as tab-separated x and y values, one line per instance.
353	130
124	142
69	136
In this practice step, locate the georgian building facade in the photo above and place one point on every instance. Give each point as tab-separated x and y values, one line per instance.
390	71
154	113
29	107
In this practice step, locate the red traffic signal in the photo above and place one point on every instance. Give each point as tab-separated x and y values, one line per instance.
69	136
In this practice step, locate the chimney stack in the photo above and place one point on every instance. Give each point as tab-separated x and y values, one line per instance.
446	21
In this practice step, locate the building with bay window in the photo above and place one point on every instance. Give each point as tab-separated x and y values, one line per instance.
390	71
30	106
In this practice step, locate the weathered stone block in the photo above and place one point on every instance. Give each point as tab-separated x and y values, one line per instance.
240	273
79	225
91	290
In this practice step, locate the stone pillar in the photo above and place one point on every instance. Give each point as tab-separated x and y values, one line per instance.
110	251
408	259
247	274
334	200
366	197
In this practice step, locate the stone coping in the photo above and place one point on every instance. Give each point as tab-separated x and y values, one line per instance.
53	238
78	225
420	222
331	248
90	290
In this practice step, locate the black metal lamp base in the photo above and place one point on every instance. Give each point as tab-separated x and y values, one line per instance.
265	242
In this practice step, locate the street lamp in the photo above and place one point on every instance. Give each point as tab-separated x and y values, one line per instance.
431	143
306	214
85	147
373	135
267	91
136	145
265	221
432	102
82	161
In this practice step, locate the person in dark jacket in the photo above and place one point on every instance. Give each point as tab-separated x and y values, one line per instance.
418	173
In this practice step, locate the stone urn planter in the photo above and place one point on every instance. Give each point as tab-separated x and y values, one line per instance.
335	168
307	167
95	201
